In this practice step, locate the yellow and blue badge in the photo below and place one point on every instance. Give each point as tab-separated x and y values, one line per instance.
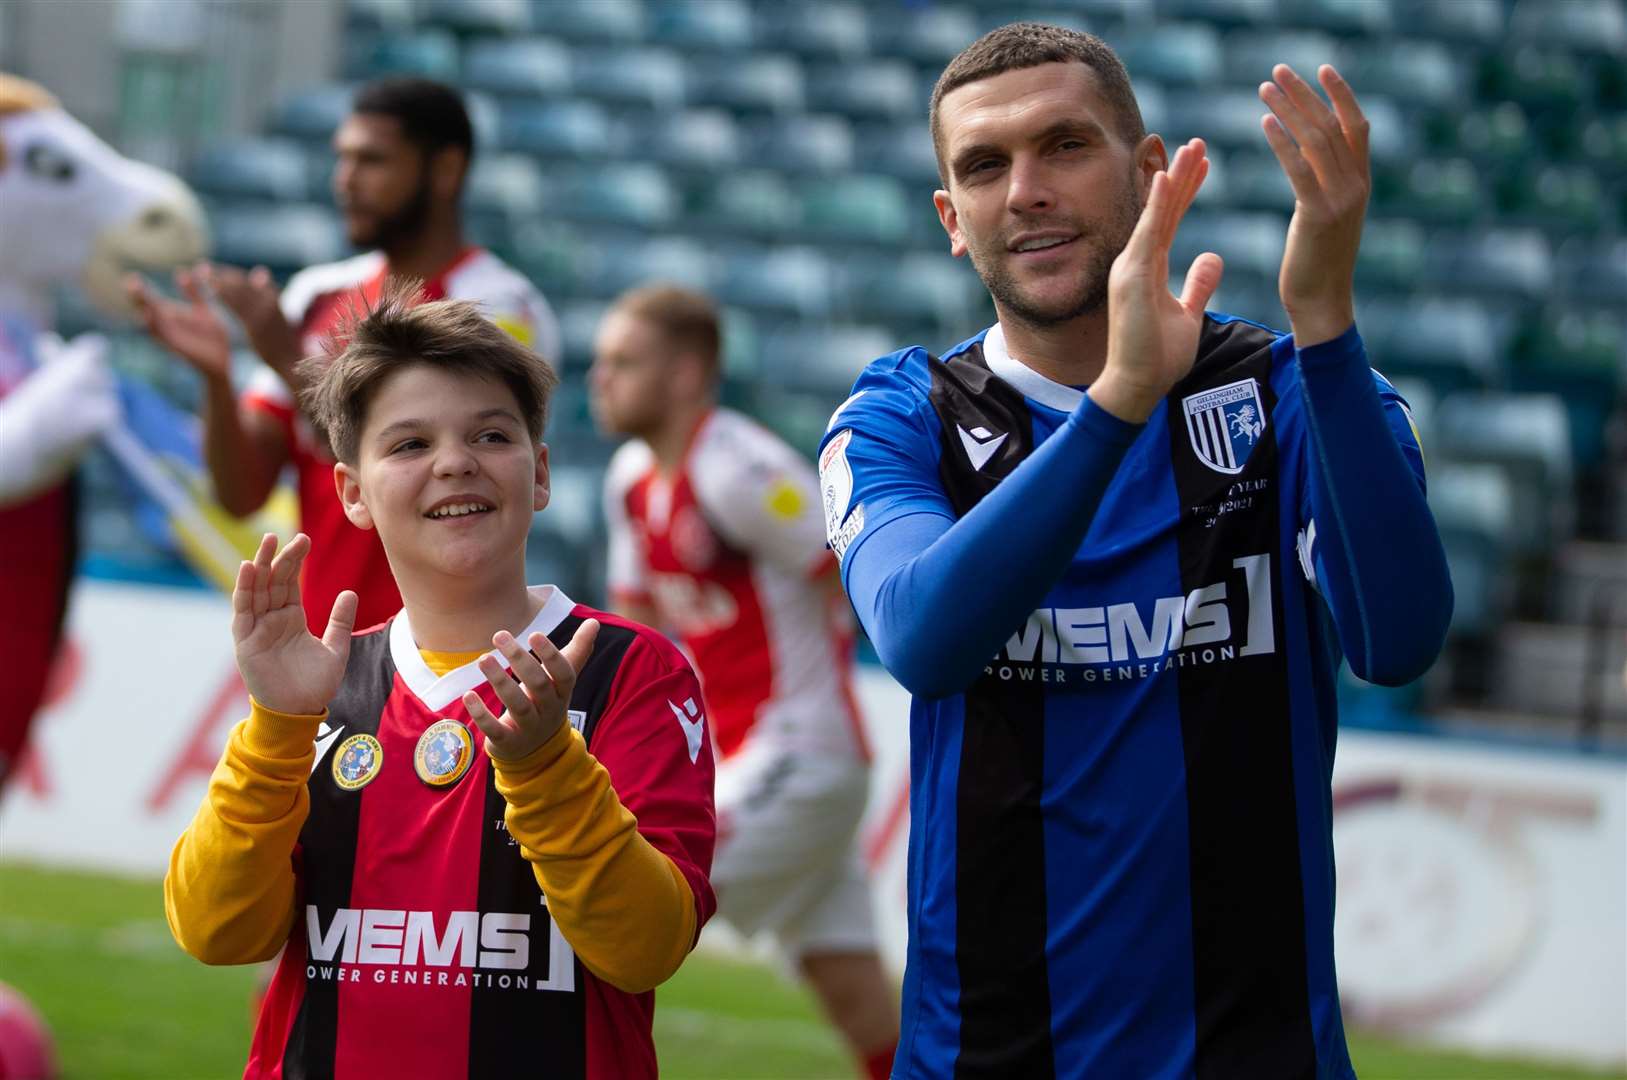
444	753
357	761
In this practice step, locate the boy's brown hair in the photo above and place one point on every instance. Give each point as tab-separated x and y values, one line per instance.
397	331
1020	45
688	318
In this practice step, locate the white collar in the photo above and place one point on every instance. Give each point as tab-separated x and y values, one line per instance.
1024	379
439	691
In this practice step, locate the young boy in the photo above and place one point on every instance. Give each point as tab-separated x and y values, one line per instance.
463	889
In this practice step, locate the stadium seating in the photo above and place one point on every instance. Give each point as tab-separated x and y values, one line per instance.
776	153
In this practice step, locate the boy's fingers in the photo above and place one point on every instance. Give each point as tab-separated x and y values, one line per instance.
510	693
580	646
560	670
496	732
340	623
526	667
285	568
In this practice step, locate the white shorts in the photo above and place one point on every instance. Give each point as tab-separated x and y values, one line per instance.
787	858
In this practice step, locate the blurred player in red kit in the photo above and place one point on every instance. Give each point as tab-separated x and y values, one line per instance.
716	536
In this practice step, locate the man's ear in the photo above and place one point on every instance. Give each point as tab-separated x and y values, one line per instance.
347	482
950	222
539	498
1151	159
447	170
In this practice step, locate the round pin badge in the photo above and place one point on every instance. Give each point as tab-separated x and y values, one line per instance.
357	761
444	753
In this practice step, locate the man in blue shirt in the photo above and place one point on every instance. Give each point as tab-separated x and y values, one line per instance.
1115	546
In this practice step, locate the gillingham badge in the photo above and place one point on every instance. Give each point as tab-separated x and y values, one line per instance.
357	761
1224	424
444	753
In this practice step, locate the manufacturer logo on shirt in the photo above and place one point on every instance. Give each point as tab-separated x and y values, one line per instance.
981	444
325	737
1225	424
693	723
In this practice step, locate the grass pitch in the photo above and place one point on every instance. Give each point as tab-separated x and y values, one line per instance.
124	1003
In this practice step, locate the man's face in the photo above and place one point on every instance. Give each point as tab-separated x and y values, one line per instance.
381	181
1043	191
629	381
447	473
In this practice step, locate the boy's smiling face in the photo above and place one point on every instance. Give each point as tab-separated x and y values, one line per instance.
447	472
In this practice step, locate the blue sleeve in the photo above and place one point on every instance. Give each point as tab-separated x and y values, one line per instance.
939	596
1377	555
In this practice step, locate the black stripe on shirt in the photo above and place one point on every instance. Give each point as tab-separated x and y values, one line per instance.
1248	917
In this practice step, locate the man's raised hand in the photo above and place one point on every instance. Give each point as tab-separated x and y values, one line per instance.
284	665
1152	336
190	330
1324	153
252	296
534	707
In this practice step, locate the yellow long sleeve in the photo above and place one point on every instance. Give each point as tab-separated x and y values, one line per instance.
229	894
624	906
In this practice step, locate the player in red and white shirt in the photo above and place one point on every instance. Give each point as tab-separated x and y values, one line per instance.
403	154
716	536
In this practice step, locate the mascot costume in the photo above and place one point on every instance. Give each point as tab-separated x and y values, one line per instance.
72	211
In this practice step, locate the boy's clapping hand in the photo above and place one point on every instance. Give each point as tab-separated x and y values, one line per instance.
534	707
284	666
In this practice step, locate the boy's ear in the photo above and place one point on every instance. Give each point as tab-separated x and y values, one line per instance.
540	494
347	482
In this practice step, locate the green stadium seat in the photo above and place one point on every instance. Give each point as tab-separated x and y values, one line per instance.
312	114
928	35
431	54
1528	435
552	254
882	88
913	289
1594	269
1391	255
1598	141
1537	78
1439	190
1220	12
633	194
285	237
1510	263
1579	354
1224	118
1556	196
692	138
578	129
389	15
1583	25
1454	344
1250	244
252	168
1251	54
1254	182
1465	22
1420	73
1341	16
507	186
518	67
615	265
824	30
782	279
822	356
1175	54
855	208
617	21
753	202
816	143
578	325
648	77
902	150
472	17
716	25
1121	10
798	417
762	82
1495	134
1474	510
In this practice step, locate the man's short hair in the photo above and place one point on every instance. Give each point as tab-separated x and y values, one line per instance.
687	317
1016	46
431	114
451	335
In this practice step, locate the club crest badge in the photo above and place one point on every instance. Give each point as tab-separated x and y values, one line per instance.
444	753
1225	424
357	761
